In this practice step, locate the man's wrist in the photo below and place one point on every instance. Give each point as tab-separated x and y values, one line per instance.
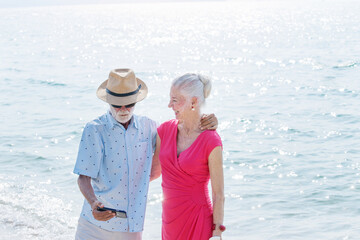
92	202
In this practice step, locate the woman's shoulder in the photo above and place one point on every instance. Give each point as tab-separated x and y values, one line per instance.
212	140
212	137
167	127
169	123
212	134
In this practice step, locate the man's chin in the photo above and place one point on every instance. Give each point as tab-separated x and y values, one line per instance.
123	120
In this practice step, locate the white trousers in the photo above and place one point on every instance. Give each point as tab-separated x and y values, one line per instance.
88	231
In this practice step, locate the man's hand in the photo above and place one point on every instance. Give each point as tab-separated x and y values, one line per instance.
208	122
101	215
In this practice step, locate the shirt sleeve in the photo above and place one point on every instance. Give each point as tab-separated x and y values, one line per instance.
90	153
214	141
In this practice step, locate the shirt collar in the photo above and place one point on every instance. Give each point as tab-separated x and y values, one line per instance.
112	121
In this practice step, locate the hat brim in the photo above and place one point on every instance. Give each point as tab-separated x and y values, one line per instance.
121	101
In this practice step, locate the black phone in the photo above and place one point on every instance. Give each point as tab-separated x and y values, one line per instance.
118	213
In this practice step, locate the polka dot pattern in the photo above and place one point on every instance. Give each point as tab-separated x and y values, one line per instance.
119	162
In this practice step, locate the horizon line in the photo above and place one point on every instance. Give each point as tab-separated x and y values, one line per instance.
45	3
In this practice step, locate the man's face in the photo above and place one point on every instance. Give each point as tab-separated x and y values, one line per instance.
122	114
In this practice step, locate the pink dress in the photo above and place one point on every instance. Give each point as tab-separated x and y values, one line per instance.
187	210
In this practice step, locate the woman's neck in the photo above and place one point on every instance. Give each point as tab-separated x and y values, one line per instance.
190	124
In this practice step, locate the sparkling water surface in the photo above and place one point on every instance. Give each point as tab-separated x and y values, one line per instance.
285	90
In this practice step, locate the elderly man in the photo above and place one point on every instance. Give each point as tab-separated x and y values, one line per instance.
116	161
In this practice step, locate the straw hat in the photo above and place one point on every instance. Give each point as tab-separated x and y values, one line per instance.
122	88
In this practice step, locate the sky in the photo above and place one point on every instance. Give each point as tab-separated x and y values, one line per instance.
33	3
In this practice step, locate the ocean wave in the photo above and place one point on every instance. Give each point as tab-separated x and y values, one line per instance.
38	214
49	82
346	65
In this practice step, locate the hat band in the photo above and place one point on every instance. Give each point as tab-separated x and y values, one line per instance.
123	94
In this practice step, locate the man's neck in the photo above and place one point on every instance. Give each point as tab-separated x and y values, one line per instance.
126	125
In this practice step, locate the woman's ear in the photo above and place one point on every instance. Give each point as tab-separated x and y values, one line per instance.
194	102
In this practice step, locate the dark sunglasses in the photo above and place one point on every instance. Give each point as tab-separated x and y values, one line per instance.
127	106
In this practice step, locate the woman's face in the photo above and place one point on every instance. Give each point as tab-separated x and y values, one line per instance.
178	103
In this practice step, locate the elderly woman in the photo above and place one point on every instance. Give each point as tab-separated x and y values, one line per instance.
190	157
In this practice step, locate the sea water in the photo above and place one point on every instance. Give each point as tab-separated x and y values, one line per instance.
286	85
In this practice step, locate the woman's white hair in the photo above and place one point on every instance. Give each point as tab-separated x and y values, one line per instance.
193	85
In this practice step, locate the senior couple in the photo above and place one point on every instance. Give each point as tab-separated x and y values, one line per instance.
120	153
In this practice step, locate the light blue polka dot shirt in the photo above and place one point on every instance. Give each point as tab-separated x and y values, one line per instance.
118	160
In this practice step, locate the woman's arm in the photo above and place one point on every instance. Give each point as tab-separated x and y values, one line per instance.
155	166
217	185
